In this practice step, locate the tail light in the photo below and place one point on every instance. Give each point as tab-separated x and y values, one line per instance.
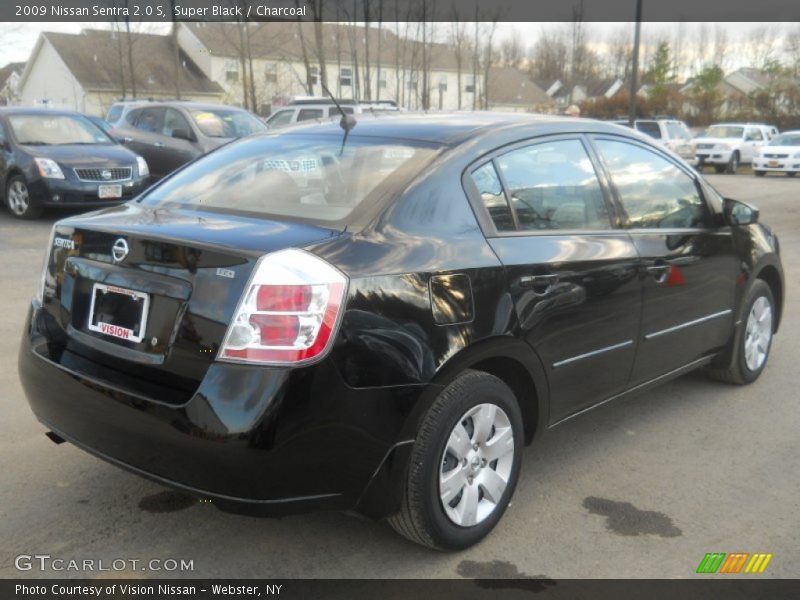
289	312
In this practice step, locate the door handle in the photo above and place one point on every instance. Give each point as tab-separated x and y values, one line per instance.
540	284
158	144
660	271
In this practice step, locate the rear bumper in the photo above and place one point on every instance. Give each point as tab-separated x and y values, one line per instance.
254	440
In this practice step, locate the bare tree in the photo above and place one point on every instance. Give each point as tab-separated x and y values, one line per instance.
512	51
458	43
762	46
548	56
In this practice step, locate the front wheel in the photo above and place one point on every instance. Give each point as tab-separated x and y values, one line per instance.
752	344
791	173
733	164
19	200
464	465
759	173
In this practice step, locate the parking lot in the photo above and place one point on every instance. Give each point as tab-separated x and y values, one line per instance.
641	488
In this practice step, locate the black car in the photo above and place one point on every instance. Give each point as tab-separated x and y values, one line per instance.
62	159
379	319
171	134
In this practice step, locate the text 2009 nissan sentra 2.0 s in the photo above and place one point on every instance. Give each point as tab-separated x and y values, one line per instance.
380	316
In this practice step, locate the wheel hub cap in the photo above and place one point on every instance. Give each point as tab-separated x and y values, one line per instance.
476	465
758	334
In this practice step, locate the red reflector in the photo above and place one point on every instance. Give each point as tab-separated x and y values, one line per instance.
276	330
284	298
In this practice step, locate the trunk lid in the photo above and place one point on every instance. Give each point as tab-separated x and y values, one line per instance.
174	291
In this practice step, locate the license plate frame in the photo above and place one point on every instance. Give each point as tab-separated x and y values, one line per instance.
116	330
110	191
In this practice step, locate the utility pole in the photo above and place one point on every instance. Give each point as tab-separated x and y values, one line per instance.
635	66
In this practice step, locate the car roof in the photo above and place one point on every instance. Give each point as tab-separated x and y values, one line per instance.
191	105
28	110
457	127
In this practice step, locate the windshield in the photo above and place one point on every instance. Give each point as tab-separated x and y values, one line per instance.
49	130
724	131
222	123
786	139
306	177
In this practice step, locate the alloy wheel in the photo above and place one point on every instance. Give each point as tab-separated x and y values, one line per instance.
18	197
758	333
476	465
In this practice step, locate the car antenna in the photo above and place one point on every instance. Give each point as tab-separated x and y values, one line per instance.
347	122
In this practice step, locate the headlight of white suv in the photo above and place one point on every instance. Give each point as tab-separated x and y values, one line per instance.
141	165
49	168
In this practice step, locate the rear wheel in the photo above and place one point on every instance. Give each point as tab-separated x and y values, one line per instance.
751	346
464	465
19	200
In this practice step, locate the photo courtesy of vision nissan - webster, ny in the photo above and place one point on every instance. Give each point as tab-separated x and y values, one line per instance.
379	312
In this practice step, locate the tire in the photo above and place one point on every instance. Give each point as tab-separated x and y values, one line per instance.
19	201
753	336
759	173
733	164
464	404
720	169
791	173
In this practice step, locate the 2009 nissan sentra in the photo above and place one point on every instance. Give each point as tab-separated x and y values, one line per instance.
378	317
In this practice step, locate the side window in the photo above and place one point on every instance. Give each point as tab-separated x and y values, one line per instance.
654	192
334	112
150	120
308	114
491	192
132	116
651	128
174	120
283	117
553	185
114	113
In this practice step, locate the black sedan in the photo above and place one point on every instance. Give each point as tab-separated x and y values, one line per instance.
62	159
170	134
380	318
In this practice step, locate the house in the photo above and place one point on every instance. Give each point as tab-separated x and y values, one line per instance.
277	53
512	90
582	91
89	71
550	86
9	82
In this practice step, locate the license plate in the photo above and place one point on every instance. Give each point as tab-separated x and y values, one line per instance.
772	163
118	312
109	191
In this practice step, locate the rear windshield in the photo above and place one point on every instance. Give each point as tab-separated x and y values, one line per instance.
221	123
50	130
306	177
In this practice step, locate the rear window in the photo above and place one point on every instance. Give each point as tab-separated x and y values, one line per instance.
306	177
651	128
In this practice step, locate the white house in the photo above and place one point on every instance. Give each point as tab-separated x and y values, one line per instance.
89	71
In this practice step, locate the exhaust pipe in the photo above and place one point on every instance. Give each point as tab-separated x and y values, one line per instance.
55	438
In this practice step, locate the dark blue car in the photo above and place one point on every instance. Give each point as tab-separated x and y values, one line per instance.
62	159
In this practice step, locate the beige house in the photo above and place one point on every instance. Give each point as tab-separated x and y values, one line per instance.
89	71
512	90
223	51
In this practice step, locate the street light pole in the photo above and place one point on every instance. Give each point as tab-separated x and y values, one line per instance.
635	66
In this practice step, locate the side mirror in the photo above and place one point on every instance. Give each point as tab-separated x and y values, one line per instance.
739	213
183	134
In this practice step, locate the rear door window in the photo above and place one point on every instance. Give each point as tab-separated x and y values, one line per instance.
309	114
553	185
150	119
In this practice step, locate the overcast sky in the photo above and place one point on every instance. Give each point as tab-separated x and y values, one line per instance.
17	39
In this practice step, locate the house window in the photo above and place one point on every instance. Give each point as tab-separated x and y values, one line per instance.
443	83
231	72
314	75
382	82
411	84
470	87
271	73
345	77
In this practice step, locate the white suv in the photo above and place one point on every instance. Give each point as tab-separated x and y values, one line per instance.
671	133
304	110
725	146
